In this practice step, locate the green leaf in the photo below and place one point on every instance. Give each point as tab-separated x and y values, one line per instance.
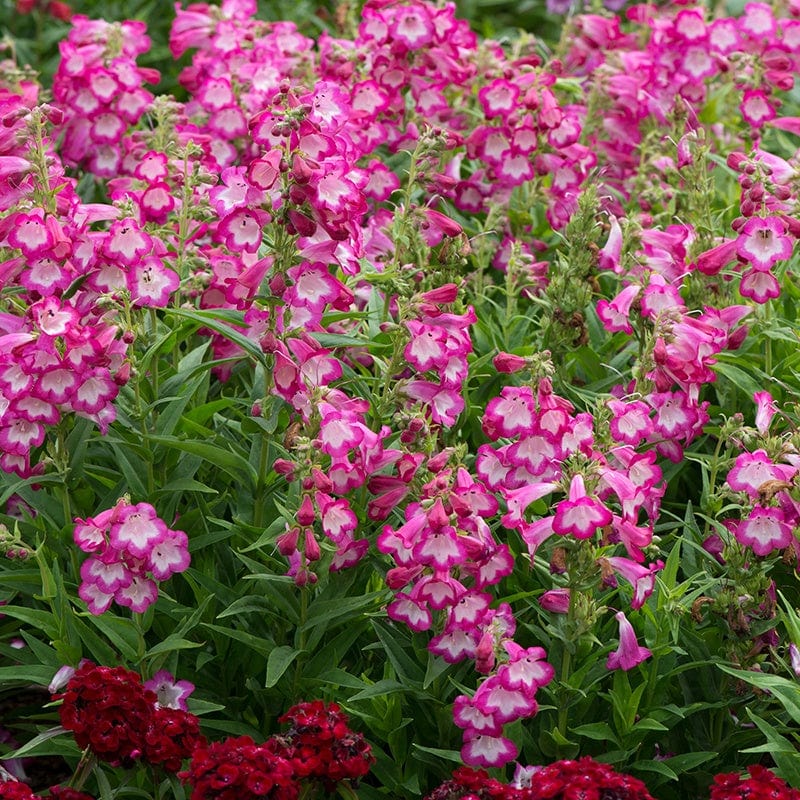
407	668
785	691
245	605
213	318
688	761
379	689
737	376
255	642
133	472
338	677
447	755
185	485
323	612
27	674
278	662
42	620
783	751
600	731
33	746
120	632
199	707
235	465
171	644
652	765
649	724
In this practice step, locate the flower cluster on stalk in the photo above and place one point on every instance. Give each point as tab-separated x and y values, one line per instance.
131	549
265	194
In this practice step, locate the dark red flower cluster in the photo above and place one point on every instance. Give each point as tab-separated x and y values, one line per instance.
110	711
584	779
322	746
761	784
14	790
55	9
240	769
66	793
472	783
172	736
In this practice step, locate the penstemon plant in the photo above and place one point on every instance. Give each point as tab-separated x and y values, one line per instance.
400	379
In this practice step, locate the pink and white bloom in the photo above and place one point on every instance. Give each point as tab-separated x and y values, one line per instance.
487	751
580	515
764	530
752	470
765	410
615	314
756	107
138	530
763	241
629	653
759	286
640	577
170	692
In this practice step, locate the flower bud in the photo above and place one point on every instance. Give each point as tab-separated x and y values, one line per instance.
306	514
284	467
555	601
312	550
509	363
287	542
321	481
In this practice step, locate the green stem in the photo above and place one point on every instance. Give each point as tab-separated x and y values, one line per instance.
62	465
566	666
712	479
141	644
308	790
563	711
85	767
154	377
258	511
183	223
301	639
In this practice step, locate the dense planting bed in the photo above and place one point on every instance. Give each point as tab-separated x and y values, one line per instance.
399	401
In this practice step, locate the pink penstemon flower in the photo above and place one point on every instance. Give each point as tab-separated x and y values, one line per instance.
764	530
128	544
641	578
581	514
766	409
763	241
751	470
756	108
629	653
615	314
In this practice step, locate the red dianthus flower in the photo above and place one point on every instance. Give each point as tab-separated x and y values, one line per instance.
321	745
66	793
109	711
14	790
761	783
239	769
172	736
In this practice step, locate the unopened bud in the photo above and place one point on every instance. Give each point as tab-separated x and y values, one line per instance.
306	514
287	542
312	550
